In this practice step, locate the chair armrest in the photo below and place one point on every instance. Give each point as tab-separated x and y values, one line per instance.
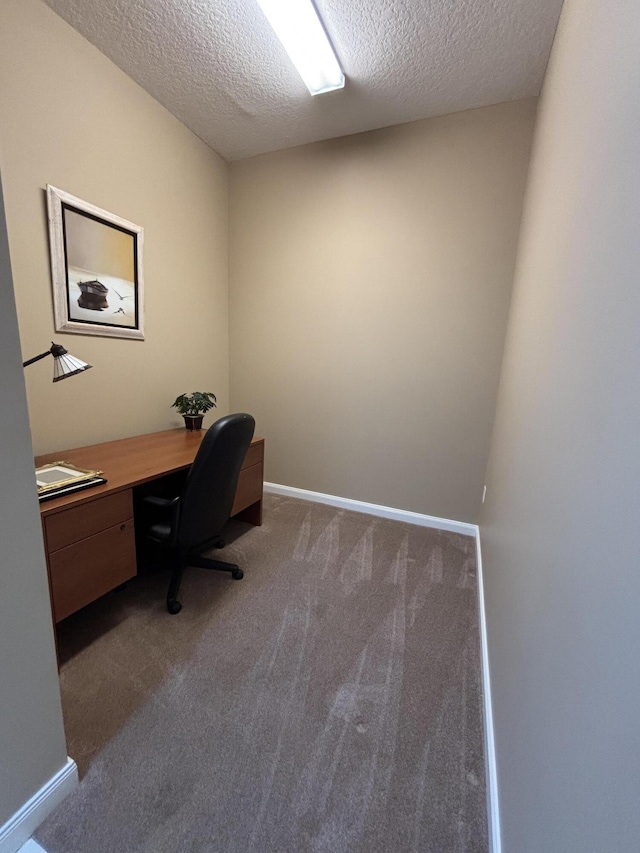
161	503
165	533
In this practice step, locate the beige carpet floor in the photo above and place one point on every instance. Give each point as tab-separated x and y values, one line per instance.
330	702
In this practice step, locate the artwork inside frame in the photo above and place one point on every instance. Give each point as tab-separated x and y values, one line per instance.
96	268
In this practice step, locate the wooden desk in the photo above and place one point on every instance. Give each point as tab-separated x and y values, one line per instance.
89	535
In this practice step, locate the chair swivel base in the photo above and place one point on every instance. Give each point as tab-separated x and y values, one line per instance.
219	565
173	605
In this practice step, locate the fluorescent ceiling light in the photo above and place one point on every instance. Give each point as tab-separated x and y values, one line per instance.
298	27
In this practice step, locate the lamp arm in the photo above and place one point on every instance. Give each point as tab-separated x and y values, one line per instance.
36	358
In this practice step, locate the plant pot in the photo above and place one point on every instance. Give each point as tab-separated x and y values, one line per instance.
193	422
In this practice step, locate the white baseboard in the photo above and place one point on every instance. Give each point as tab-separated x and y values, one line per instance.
374	509
493	805
19	828
31	847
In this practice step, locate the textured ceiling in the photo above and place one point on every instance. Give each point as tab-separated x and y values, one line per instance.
218	67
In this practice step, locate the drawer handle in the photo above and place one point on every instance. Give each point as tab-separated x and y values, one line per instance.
123	527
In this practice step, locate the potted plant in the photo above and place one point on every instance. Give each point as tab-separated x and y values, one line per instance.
193	406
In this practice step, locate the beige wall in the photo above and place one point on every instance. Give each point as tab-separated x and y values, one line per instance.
560	528
70	118
32	746
370	282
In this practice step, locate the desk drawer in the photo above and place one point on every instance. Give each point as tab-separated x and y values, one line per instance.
76	523
254	455
84	571
249	488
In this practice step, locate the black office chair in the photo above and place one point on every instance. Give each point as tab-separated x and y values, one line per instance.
196	517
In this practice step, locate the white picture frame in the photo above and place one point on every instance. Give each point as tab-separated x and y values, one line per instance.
96	269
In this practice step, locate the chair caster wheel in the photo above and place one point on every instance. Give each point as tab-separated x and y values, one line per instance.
219	543
174	607
237	574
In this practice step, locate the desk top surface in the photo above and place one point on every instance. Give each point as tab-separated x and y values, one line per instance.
126	462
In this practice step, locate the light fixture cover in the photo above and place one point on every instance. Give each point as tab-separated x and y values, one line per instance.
298	27
67	365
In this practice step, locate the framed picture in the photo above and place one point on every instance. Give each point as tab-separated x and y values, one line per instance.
96	268
57	474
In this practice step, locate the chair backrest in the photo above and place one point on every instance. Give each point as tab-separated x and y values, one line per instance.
211	484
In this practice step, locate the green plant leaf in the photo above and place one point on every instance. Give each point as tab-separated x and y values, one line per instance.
196	403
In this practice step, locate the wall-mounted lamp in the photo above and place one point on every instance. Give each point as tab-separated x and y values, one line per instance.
297	25
63	364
